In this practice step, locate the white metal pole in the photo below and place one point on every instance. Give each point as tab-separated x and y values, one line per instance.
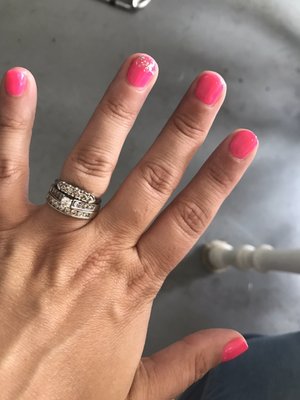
218	255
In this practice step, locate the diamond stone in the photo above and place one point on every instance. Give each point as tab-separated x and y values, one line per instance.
66	202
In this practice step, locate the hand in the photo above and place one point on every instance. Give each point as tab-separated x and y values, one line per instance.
76	295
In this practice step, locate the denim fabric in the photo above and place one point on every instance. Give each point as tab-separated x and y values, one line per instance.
269	370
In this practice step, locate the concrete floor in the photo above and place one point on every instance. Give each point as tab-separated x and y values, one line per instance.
74	47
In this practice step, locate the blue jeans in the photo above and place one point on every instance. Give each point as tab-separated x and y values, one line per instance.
269	370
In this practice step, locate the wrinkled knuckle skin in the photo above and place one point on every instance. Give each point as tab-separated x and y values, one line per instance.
220	179
143	280
141	388
8	123
10	170
140	285
200	366
187	127
192	218
159	178
118	111
90	162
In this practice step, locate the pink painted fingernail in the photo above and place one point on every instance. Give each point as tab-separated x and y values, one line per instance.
15	82
141	71
243	143
209	88
234	348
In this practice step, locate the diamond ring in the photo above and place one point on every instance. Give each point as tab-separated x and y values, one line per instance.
72	200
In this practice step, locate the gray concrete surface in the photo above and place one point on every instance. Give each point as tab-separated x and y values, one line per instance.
74	47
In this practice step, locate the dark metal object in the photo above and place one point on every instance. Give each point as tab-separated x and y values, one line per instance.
129	4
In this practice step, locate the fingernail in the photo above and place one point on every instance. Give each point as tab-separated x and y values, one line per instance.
209	88
234	348
141	71
243	143
15	82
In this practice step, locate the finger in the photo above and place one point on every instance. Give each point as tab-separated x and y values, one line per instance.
180	225
93	158
17	111
169	372
152	181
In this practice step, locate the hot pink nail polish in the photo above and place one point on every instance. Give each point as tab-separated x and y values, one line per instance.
243	143
141	70
209	88
234	348
15	82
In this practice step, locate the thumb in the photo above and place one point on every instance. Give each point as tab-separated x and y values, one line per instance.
169	372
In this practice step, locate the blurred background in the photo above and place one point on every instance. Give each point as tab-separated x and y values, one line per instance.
74	48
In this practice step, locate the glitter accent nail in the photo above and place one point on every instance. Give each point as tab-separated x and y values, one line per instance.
141	71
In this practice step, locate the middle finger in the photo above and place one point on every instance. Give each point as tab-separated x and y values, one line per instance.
93	158
152	181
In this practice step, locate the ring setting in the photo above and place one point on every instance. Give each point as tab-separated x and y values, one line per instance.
72	200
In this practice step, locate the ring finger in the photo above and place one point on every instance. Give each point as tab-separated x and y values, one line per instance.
93	158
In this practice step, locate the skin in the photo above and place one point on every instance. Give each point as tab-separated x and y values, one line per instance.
76	295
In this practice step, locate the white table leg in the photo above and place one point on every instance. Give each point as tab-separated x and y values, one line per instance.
218	255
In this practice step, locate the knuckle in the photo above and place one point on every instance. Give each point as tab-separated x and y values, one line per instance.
220	179
117	111
198	365
139	283
89	161
9	169
143	279
98	265
159	178
186	126
12	124
192	218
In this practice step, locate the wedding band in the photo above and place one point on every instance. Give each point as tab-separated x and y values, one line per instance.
72	200
75	192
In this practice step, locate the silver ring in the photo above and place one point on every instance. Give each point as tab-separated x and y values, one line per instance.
129	4
72	200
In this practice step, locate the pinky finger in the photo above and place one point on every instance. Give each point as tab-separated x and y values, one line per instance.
178	228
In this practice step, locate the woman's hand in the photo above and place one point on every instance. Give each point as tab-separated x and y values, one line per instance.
76	295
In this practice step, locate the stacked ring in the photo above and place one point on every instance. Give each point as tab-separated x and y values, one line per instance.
72	200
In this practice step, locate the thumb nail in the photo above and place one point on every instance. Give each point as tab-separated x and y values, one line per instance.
234	348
